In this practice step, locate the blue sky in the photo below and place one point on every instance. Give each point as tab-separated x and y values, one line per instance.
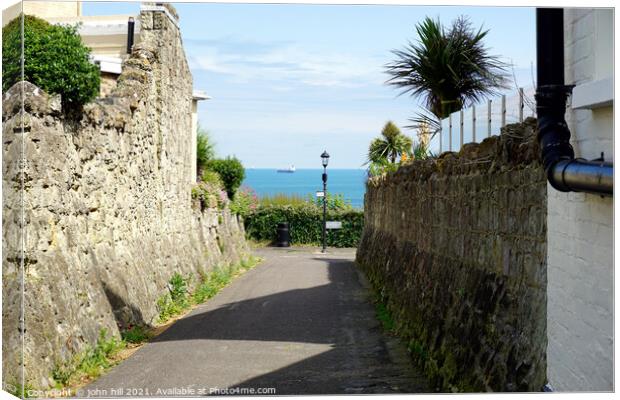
289	81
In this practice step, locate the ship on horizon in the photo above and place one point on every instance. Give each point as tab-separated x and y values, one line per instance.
289	170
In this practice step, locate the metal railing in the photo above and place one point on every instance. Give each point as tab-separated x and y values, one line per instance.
478	122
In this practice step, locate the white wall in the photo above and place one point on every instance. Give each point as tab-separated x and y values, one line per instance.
580	226
193	178
42	9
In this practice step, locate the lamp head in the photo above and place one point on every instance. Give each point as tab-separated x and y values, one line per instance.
325	158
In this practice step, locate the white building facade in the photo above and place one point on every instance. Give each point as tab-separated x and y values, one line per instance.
580	226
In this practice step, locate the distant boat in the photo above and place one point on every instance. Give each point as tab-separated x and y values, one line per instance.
289	170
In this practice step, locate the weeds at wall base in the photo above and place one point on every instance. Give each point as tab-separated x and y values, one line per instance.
17	390
90	363
418	352
384	316
179	299
435	371
136	334
94	361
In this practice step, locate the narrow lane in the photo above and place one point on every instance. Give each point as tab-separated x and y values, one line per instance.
301	322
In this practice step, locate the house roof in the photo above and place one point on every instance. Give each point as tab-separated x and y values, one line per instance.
200	95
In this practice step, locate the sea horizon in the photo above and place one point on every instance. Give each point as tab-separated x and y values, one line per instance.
349	182
307	168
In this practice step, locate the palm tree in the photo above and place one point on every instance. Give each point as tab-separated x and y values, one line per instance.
389	146
449	69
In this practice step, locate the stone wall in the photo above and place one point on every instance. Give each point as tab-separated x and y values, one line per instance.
456	248
107	206
108	83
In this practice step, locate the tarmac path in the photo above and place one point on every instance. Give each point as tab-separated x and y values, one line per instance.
301	322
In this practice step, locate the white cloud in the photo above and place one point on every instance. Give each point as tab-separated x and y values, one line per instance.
289	63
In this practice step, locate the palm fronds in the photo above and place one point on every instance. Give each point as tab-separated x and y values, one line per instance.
448	69
389	146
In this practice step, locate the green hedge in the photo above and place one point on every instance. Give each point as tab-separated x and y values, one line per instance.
305	224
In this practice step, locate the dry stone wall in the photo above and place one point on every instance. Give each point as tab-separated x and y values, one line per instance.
456	248
108	211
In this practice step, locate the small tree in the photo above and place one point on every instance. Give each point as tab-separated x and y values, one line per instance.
231	171
448	69
389	146
205	150
54	59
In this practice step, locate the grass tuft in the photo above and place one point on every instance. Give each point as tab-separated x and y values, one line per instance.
17	390
385	317
214	281
180	299
136	334
176	300
90	363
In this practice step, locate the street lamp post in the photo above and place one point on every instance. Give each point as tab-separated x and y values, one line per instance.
325	161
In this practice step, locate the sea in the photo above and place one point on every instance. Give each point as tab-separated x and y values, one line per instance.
351	183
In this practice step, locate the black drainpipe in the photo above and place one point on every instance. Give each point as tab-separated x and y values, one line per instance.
564	172
130	26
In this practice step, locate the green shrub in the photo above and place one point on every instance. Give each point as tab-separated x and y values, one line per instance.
231	171
54	59
210	195
205	149
212	177
244	203
305	224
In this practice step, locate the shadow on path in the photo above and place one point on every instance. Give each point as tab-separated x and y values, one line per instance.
299	323
308	315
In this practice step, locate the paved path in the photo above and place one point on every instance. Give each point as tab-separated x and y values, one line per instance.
301	322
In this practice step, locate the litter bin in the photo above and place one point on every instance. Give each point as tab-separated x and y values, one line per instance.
284	237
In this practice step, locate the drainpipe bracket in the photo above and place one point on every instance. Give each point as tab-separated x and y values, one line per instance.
555	174
553	97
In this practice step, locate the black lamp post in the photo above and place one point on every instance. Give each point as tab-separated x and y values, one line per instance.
325	161
130	29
